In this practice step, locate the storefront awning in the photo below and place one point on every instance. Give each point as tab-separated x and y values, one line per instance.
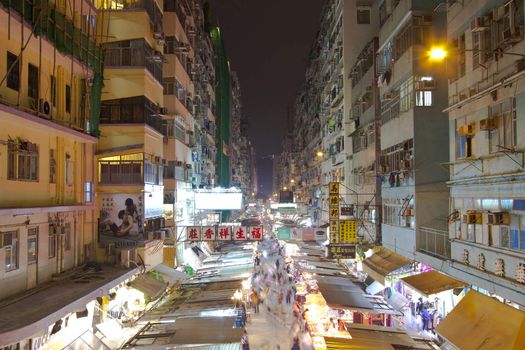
382	263
171	275
349	299
432	282
149	286
366	337
481	322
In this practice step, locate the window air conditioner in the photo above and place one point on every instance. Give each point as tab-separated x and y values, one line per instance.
466	130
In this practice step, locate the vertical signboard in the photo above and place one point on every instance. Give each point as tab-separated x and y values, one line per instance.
333	207
347	231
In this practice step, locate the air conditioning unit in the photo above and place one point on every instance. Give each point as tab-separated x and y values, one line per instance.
467	130
488	124
44	107
472	217
179	163
188	166
479	24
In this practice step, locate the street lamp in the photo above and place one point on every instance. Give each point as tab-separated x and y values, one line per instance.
319	154
292	181
437	53
285	188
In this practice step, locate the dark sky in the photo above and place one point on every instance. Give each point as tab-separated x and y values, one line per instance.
267	42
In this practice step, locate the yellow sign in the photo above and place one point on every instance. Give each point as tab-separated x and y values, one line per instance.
347	231
334	229
334	213
333	201
334	188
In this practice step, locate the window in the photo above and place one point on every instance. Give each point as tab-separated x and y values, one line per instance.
463	146
517	232
363	15
10	246
423	98
53	90
88	192
406	95
32	245
32	81
70	170
52	166
68	99
52	245
503	136
66	233
13	78
22	161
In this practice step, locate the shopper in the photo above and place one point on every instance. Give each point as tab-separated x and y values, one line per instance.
244	341
425	315
295	345
288	296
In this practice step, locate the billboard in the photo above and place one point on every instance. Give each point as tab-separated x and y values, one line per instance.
121	219
218	200
224	233
286	197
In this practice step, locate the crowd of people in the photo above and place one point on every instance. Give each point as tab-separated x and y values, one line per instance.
273	288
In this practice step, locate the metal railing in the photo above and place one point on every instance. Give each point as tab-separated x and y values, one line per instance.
433	241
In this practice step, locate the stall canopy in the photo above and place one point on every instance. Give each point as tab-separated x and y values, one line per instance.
432	282
480	322
365	337
171	275
149	286
382	263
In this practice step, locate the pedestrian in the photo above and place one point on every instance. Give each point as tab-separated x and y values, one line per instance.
288	296
341	327
419	306
425	315
255	302
295	345
277	263
244	341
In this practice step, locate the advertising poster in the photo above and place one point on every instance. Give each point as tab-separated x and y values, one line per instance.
308	234
121	219
295	234
283	233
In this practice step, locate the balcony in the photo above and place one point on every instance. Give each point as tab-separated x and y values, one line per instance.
150	6
132	110
434	242
134	53
127	170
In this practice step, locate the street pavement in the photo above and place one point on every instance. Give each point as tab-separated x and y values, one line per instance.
274	326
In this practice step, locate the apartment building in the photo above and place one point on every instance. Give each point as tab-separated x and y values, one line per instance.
50	88
129	153
413	124
204	152
486	106
180	99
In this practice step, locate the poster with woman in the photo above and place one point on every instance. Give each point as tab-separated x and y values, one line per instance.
121	217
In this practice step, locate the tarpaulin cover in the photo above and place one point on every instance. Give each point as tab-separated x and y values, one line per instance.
432	282
483	323
382	263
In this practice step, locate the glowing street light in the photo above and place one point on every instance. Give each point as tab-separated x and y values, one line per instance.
319	154
437	53
292	181
285	188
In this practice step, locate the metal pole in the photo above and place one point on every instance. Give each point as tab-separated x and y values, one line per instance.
377	140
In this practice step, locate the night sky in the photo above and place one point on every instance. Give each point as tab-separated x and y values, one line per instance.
267	42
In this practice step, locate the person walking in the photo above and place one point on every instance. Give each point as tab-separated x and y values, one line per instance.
288	296
425	315
295	345
244	341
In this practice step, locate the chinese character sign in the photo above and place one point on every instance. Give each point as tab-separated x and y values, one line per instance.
334	229
341	251
334	188
224	234
193	233
333	201
256	233
208	233
347	231
240	233
334	213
